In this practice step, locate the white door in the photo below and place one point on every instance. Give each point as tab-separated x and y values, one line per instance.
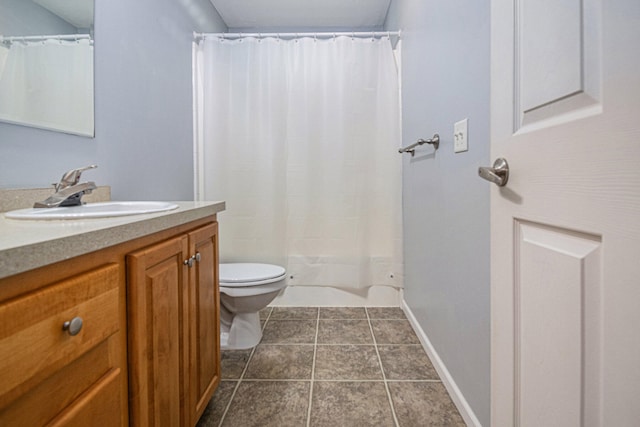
565	250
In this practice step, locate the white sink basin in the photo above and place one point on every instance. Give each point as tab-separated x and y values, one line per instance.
92	210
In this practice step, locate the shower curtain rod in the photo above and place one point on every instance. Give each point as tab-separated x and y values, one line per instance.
328	34
11	39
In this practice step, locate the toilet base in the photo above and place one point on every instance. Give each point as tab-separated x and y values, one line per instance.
244	332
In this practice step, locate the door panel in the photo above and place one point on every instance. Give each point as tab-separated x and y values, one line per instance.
557	325
557	64
551	51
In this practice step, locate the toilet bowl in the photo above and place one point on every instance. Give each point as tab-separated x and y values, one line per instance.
245	289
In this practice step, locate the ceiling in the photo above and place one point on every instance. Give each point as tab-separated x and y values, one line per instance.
78	13
280	14
283	14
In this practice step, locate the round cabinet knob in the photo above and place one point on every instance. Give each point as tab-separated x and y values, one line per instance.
73	326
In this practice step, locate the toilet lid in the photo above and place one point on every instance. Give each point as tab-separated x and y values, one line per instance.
240	273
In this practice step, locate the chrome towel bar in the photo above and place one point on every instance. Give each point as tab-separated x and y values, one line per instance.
435	141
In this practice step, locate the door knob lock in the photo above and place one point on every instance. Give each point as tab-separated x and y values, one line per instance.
498	174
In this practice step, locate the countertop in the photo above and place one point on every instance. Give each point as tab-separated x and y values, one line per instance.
26	245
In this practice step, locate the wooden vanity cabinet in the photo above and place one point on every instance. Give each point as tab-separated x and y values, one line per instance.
174	355
148	350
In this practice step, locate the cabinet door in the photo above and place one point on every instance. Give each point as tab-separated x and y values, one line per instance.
158	334
205	319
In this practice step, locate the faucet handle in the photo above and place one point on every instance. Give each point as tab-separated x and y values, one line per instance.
72	177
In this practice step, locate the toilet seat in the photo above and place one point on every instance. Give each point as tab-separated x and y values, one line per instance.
236	275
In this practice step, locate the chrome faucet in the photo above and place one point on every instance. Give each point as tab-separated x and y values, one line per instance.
72	177
69	191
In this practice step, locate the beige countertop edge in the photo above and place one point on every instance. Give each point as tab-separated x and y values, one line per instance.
61	240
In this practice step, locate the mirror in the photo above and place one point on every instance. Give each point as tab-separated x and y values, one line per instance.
46	64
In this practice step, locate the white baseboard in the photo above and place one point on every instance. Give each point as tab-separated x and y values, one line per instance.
447	380
323	296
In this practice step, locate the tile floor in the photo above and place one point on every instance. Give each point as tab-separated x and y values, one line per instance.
327	366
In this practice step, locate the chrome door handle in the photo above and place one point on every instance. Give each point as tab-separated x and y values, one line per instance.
498	174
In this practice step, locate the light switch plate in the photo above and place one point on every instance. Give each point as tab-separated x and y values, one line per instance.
460	136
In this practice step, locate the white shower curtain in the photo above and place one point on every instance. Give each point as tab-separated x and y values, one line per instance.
300	138
4	52
49	84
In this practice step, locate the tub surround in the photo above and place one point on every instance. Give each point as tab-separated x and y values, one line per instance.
323	296
26	245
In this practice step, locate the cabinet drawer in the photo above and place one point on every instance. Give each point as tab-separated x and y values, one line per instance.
99	406
33	344
59	391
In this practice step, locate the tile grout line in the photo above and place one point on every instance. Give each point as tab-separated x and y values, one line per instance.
303	344
285	380
235	389
384	376
313	368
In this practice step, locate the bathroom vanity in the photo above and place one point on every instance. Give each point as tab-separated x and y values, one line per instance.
110	321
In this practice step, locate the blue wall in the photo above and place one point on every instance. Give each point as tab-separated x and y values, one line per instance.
143	110
445	78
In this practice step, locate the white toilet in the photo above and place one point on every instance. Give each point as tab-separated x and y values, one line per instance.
245	289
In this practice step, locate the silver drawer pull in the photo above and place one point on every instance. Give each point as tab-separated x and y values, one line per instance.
197	255
73	326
